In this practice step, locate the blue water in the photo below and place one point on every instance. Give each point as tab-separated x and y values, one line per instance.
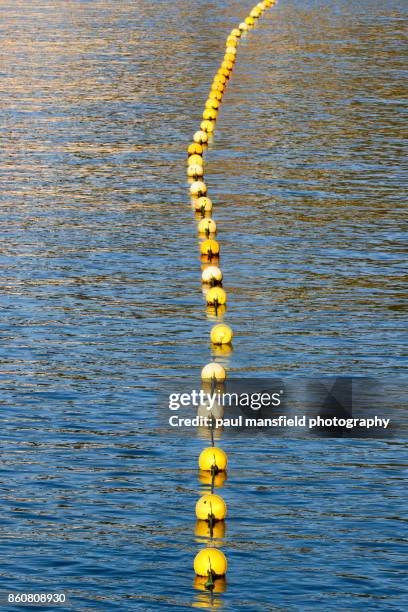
102	307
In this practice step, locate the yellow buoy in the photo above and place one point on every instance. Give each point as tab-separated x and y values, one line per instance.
227	65
231	50
212	103
249	21
209	247
207	227
203	204
236	32
223	73
221	334
198	188
212	275
243	26
216	296
211	506
195	159
200	137
231	42
218	87
213	371
195	148
210	562
213	459
210	114
215	95
195	170
229	57
207	126
220	78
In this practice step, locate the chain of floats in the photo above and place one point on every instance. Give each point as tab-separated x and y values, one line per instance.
210	563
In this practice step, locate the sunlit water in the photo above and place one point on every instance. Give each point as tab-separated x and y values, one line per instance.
102	305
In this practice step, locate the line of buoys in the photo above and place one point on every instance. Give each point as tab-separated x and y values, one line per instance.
210	563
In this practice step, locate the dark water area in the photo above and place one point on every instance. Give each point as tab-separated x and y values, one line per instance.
101	297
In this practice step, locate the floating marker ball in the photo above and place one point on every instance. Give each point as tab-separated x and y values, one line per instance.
212	104
231	42
211	505
212	275
209	247
221	334
229	57
195	170
207	126
210	561
213	457
209	114
220	78
213	371
207	226
243	26
216	95
195	159
236	32
198	188
218	87
231	50
250	21
203	204
200	137
195	148
216	295
227	65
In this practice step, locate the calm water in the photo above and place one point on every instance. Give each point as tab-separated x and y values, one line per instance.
101	300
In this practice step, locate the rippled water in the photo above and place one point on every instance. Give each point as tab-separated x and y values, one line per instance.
101	299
